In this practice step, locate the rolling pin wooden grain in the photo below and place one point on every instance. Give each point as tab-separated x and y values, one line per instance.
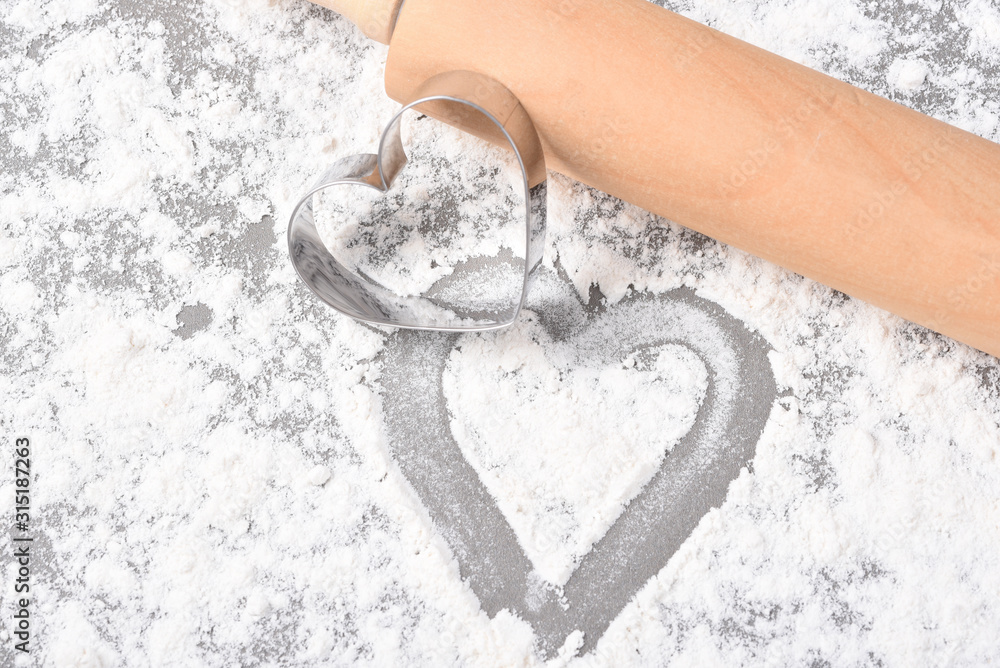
818	176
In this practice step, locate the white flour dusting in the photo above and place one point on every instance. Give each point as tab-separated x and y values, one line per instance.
212	485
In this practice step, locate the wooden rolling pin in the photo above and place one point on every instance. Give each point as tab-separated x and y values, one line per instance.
830	181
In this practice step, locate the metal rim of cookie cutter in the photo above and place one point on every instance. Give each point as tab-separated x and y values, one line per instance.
359	297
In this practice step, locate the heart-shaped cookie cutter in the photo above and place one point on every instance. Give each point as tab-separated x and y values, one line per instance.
489	110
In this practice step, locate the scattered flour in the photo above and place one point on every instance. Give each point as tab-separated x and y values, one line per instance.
225	497
909	74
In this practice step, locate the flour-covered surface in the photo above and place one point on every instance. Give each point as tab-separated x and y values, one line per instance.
211	483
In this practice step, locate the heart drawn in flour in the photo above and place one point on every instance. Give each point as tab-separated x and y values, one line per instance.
697	353
562	434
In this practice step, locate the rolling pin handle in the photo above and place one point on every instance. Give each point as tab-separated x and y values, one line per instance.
376	18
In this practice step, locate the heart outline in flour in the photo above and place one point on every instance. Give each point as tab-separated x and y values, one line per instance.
693	478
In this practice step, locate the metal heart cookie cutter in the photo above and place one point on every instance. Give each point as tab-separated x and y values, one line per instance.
490	111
